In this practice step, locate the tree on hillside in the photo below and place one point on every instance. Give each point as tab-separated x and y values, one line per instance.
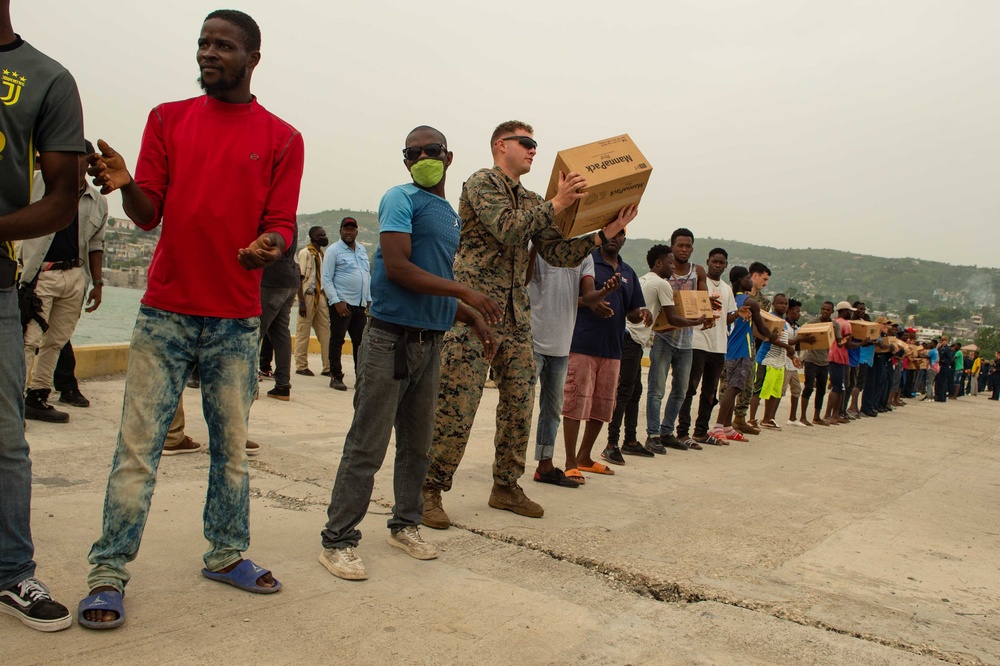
988	341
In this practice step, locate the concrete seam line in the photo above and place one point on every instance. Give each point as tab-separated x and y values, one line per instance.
672	592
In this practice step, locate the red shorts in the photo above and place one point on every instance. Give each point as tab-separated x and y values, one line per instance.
591	388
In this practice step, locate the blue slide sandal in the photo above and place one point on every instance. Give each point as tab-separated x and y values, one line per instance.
102	601
244	576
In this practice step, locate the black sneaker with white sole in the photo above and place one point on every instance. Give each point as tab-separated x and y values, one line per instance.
30	602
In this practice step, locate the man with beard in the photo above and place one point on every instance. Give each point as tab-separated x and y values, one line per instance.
414	301
499	217
313	311
222	174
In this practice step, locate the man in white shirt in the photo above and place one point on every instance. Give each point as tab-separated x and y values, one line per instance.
708	354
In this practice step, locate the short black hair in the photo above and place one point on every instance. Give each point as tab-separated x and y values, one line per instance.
718	250
313	230
830	303
655	252
249	27
857	303
757	267
780	294
792	303
681	232
440	134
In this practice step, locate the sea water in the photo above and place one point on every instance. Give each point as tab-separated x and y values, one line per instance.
115	319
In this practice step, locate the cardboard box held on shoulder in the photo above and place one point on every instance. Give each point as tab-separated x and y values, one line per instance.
688	304
616	173
771	323
823	330
866	331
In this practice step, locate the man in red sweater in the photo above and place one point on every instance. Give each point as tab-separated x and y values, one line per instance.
222	175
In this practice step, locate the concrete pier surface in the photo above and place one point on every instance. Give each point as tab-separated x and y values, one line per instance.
876	542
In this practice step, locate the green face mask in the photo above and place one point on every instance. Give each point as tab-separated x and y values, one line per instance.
427	173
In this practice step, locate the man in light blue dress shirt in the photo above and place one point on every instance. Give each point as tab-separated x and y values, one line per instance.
346	281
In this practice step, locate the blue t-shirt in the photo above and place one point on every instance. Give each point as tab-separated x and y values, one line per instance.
740	344
854	355
435	230
932	356
867	355
597	336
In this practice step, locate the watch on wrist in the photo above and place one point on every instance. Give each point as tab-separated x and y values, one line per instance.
602	236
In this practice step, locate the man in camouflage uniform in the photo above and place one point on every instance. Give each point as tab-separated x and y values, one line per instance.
499	217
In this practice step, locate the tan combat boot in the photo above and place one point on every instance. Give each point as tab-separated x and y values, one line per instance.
434	515
512	498
741	425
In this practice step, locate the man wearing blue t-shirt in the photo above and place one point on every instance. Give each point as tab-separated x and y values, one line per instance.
400	360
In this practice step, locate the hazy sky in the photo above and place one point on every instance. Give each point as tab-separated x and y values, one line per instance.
863	126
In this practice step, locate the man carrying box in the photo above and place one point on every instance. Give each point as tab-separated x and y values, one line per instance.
840	362
499	217
760	275
817	363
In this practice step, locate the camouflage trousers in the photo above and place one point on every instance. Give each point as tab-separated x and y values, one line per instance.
463	373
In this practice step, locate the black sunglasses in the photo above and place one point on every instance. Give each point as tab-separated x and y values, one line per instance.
526	141
432	150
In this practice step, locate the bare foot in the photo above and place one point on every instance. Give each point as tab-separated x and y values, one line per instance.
98	615
267	580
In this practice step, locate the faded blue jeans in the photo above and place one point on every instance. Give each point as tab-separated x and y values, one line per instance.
664	356
382	402
551	372
165	347
16	549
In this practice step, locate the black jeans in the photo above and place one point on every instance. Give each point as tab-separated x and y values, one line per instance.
816	377
629	392
340	327
706	369
64	377
276	306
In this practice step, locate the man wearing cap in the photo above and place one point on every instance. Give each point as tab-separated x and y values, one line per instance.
839	362
62	265
346	281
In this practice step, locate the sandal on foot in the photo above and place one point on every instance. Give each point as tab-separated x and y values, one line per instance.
108	600
244	576
556	477
576	476
597	468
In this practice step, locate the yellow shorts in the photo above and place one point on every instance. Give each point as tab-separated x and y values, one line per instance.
774	381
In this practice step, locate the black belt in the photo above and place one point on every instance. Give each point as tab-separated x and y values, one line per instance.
67	265
406	335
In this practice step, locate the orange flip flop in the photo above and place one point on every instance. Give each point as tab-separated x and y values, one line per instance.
576	476
598	468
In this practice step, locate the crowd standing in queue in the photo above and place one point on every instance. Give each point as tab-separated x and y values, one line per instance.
450	297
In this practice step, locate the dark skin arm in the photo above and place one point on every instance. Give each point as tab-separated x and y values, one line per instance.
674	319
467	315
758	321
640	315
742	313
302	296
396	249
55	210
96	260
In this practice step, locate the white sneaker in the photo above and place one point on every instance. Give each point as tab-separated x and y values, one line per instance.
797	423
343	563
409	540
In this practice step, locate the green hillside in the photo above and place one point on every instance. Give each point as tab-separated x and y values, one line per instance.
812	275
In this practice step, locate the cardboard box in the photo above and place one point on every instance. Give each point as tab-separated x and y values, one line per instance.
693	304
688	304
617	175
866	331
823	331
771	323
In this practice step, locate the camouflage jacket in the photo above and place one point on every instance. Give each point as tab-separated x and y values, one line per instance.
499	217
762	300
